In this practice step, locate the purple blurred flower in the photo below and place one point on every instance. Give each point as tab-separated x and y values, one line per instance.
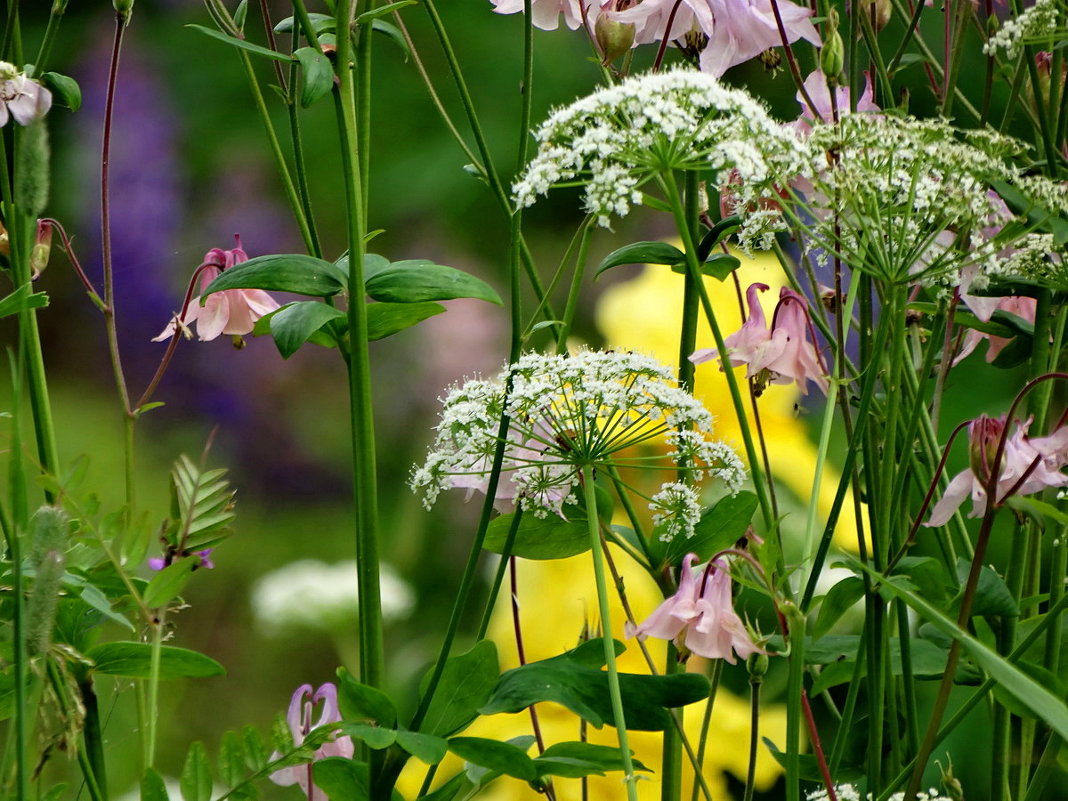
299	718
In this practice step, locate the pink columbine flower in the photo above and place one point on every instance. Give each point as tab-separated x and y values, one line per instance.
21	97
737	30
300	723
700	617
784	352
545	14
232	311
1047	455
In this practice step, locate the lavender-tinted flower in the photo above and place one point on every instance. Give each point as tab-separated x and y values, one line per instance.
299	718
21	97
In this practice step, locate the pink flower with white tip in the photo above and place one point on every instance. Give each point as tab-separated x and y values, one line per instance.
700	617
21	97
1027	466
299	718
232	311
778	355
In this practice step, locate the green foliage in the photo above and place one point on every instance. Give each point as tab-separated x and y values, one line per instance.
318	75
642	253
133	660
22	299
292	272
551	537
466	684
305	321
195	781
202	506
418	280
575	680
243	44
359	702
152	786
64	89
719	528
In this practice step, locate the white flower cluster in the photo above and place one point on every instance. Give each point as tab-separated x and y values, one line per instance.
1039	23
567	412
847	792
309	594
676	510
910	199
620	137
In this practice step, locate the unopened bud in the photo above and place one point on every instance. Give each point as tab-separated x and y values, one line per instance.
757	665
42	248
124	8
984	433
614	38
878	11
832	56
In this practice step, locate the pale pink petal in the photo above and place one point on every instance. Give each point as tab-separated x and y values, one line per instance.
952	498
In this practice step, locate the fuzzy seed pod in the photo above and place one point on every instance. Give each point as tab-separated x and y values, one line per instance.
48	545
32	169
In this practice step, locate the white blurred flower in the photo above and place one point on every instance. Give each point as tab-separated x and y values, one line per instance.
313	595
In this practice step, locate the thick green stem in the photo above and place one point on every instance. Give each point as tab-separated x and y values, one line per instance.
152	705
365	489
629	778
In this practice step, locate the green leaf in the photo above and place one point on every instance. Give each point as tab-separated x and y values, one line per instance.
296	323
1043	676
449	790
320	23
361	702
417	280
992	595
231	760
64	89
318	75
376	737
550	537
720	231
575	680
342	779
240	13
168	583
284	272
1046	706
719	527
425	747
256	754
386	319
810	767
98	601
394	34
1037	509
466	684
720	265
839	599
241	43
195	781
202	507
133	660
152	786
382	11
573	760
497	756
641	253
22	299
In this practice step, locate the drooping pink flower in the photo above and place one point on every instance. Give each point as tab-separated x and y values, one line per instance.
545	14
299	718
737	30
700	617
1020	305
1040	459
21	97
784	351
232	311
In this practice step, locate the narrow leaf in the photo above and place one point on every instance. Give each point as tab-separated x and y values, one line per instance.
195	782
641	253
134	659
241	43
418	280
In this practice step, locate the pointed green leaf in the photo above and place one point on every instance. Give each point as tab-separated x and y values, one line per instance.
195	782
64	89
839	599
152	786
318	75
376	737
361	702
719	232
550	537
320	23
133	660
575	680
283	272
168	583
256	754
719	527
386	319
342	779
295	324
641	253
392	32
417	280
425	747
573	760
497	756
22	299
466	684
241	43
98	601
231	760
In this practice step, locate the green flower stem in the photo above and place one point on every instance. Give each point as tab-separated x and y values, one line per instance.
667	180
152	701
754	735
55	16
1048	766
288	188
571	307
498	578
18	620
795	686
606	631
365	489
706	722
300	168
